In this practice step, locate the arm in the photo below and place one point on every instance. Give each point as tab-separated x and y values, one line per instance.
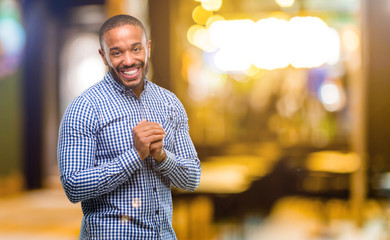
182	167
80	178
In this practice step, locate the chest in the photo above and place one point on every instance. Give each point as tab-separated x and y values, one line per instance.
120	115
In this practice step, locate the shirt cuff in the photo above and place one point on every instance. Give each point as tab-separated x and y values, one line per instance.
130	161
169	163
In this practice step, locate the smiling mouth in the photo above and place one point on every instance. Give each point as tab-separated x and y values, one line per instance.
131	73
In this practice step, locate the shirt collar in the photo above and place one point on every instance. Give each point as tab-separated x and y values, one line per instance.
119	87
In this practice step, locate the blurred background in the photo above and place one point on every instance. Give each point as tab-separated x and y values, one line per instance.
288	102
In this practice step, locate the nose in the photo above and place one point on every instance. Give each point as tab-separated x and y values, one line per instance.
128	59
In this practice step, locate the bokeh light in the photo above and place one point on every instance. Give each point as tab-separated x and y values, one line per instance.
191	32
333	161
84	72
204	82
285	3
350	40
233	39
213	19
200	15
212	5
82	66
334	47
198	36
311	42
332	96
12	37
270	46
270	43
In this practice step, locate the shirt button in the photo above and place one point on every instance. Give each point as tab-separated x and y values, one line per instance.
157	212
155	189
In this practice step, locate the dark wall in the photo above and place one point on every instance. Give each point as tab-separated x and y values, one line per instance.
45	24
376	35
160	30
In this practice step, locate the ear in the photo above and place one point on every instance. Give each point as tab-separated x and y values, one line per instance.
101	52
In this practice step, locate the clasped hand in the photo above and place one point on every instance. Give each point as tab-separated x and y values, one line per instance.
148	139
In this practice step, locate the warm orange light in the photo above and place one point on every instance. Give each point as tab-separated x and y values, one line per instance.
200	15
192	31
285	3
271	43
270	47
212	5
350	40
333	161
231	174
213	19
312	42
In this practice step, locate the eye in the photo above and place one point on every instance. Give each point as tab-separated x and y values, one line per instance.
136	49
115	53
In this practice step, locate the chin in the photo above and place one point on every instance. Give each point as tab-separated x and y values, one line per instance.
134	84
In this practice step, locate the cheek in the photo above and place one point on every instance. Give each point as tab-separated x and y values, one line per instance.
146	57
109	62
115	63
146	60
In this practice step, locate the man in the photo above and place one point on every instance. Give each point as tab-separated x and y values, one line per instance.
124	142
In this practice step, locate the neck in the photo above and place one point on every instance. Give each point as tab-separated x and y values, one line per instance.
137	91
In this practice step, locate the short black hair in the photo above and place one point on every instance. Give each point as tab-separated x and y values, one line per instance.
118	21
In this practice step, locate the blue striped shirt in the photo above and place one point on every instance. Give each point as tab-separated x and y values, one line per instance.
122	196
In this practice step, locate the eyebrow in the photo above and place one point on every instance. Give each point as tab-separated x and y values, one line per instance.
132	45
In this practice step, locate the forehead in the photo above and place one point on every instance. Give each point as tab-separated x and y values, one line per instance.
124	34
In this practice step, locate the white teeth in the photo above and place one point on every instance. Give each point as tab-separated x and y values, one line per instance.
131	72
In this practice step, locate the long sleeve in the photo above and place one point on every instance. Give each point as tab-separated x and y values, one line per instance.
182	167
80	177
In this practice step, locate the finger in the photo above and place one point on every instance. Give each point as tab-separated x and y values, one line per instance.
152	132
154	138
145	123
156	145
142	147
149	129
149	133
157	151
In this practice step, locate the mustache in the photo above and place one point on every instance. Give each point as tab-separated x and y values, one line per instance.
134	65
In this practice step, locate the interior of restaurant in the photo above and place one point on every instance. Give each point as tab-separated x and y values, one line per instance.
287	103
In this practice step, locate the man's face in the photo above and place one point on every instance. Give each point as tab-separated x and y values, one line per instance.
126	53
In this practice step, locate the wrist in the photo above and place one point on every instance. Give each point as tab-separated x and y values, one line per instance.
162	156
141	156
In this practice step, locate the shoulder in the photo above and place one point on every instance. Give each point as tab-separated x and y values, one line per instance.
94	92
93	97
85	104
